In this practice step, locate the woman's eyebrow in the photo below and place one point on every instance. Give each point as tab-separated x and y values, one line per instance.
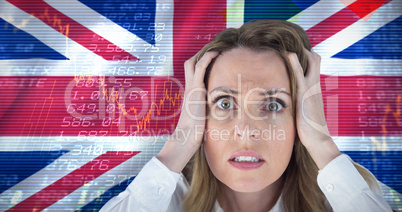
266	92
273	91
224	89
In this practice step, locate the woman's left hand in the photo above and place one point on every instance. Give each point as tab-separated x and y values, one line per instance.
310	118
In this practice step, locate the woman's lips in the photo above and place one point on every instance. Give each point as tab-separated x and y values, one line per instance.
246	160
246	165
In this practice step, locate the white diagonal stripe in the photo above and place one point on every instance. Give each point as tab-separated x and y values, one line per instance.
155	60
113	177
117	34
314	14
359	30
41	179
77	157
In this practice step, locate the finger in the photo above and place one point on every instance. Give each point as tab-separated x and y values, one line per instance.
313	68
313	72
189	67
298	71
202	65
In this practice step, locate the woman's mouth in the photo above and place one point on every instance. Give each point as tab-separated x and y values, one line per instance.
246	160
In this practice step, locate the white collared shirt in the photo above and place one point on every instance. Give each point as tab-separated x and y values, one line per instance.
157	188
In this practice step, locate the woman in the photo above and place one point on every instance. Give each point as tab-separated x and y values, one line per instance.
259	144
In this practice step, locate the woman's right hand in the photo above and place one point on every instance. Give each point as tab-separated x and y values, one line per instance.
189	132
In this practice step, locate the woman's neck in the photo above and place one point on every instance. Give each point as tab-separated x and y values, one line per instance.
262	200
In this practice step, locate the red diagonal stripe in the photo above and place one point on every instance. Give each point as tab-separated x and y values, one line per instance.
331	26
364	7
338	22
72	29
71	182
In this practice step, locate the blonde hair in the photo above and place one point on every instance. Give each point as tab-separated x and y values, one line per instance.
300	191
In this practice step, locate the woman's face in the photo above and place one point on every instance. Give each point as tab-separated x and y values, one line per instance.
250	130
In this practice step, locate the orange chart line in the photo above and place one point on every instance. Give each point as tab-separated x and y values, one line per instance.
141	124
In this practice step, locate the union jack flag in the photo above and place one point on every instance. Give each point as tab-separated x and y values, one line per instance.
91	89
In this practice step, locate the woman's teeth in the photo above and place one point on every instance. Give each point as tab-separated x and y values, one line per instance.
246	159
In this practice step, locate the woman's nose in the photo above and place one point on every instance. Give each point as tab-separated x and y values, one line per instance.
246	128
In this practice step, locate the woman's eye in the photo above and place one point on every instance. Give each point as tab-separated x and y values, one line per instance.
225	103
274	106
